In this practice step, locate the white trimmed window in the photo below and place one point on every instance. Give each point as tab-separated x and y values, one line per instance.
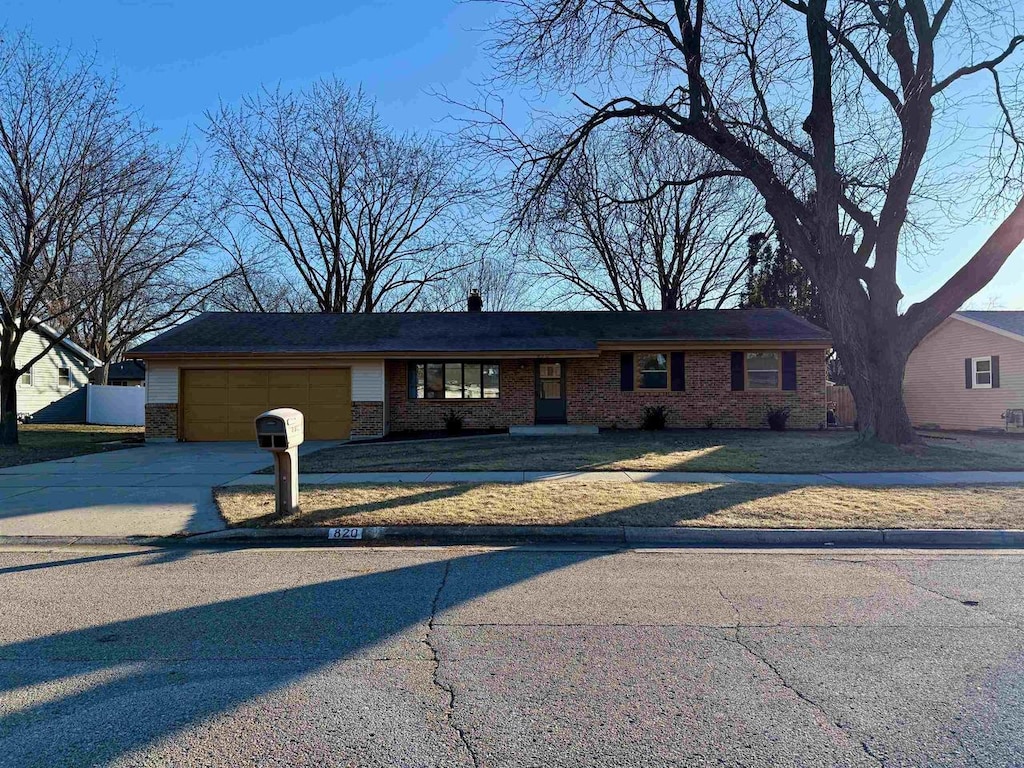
653	371
981	368
763	370
64	377
26	378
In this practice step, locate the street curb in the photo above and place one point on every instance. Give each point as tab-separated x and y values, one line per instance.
630	536
511	535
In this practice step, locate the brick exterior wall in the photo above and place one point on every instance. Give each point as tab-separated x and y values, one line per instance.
161	421
593	396
514	406
367	419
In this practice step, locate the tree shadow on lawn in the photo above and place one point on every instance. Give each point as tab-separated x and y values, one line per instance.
161	674
684	506
302	519
670	450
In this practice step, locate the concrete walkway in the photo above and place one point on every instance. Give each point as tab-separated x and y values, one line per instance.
832	478
152	490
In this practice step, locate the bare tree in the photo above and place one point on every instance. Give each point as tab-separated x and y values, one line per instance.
503	282
608	235
141	257
64	143
855	120
366	218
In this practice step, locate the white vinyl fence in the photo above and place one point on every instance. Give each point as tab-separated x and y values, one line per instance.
118	406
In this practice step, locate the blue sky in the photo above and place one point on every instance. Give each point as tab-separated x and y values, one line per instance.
177	58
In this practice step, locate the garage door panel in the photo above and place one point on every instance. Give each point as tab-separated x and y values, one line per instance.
216	396
241	431
198	379
327	395
336	377
256	397
244	413
201	412
288	378
248	378
221	405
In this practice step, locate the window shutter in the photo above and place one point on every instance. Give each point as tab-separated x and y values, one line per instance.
789	370
626	372
737	371
968	373
412	381
995	371
678	368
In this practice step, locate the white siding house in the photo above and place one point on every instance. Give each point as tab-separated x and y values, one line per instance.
62	371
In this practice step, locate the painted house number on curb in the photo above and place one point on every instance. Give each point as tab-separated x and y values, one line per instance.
345	533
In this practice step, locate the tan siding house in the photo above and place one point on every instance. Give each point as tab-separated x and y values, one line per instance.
967	373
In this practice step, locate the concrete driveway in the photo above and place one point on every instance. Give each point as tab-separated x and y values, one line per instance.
154	490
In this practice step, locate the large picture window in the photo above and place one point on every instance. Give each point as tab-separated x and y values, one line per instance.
453	381
653	371
763	370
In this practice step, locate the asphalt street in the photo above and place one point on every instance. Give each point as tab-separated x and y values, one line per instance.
515	657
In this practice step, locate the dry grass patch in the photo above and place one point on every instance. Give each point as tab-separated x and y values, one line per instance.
632	504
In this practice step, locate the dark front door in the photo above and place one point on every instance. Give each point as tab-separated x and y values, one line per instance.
550	392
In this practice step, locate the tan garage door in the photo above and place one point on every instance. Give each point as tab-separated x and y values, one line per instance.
221	404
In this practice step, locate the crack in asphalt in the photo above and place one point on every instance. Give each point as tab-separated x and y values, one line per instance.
1003	621
737	639
435	658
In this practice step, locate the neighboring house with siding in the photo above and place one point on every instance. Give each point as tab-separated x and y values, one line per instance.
968	372
51	390
127	373
364	375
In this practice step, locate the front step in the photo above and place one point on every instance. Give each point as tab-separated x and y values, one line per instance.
551	430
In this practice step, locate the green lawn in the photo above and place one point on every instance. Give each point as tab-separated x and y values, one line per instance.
674	450
44	442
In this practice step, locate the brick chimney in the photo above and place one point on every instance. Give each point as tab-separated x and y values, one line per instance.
475	302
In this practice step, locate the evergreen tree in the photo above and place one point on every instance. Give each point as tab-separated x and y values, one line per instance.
777	280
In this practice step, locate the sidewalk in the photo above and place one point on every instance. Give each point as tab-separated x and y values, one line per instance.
867	479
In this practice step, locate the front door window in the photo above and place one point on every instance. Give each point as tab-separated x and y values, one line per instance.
550	393
551	381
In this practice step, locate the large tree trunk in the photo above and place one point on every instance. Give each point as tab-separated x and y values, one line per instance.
874	355
877	389
8	406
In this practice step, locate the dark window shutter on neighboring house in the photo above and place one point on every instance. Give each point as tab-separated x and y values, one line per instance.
678	371
789	370
737	371
412	381
968	373
626	373
995	371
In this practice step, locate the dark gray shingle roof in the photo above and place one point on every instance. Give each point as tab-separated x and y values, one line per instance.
131	370
1006	320
236	332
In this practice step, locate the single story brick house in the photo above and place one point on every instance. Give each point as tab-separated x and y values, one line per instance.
968	373
364	375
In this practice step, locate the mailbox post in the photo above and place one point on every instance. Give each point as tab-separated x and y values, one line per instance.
281	431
